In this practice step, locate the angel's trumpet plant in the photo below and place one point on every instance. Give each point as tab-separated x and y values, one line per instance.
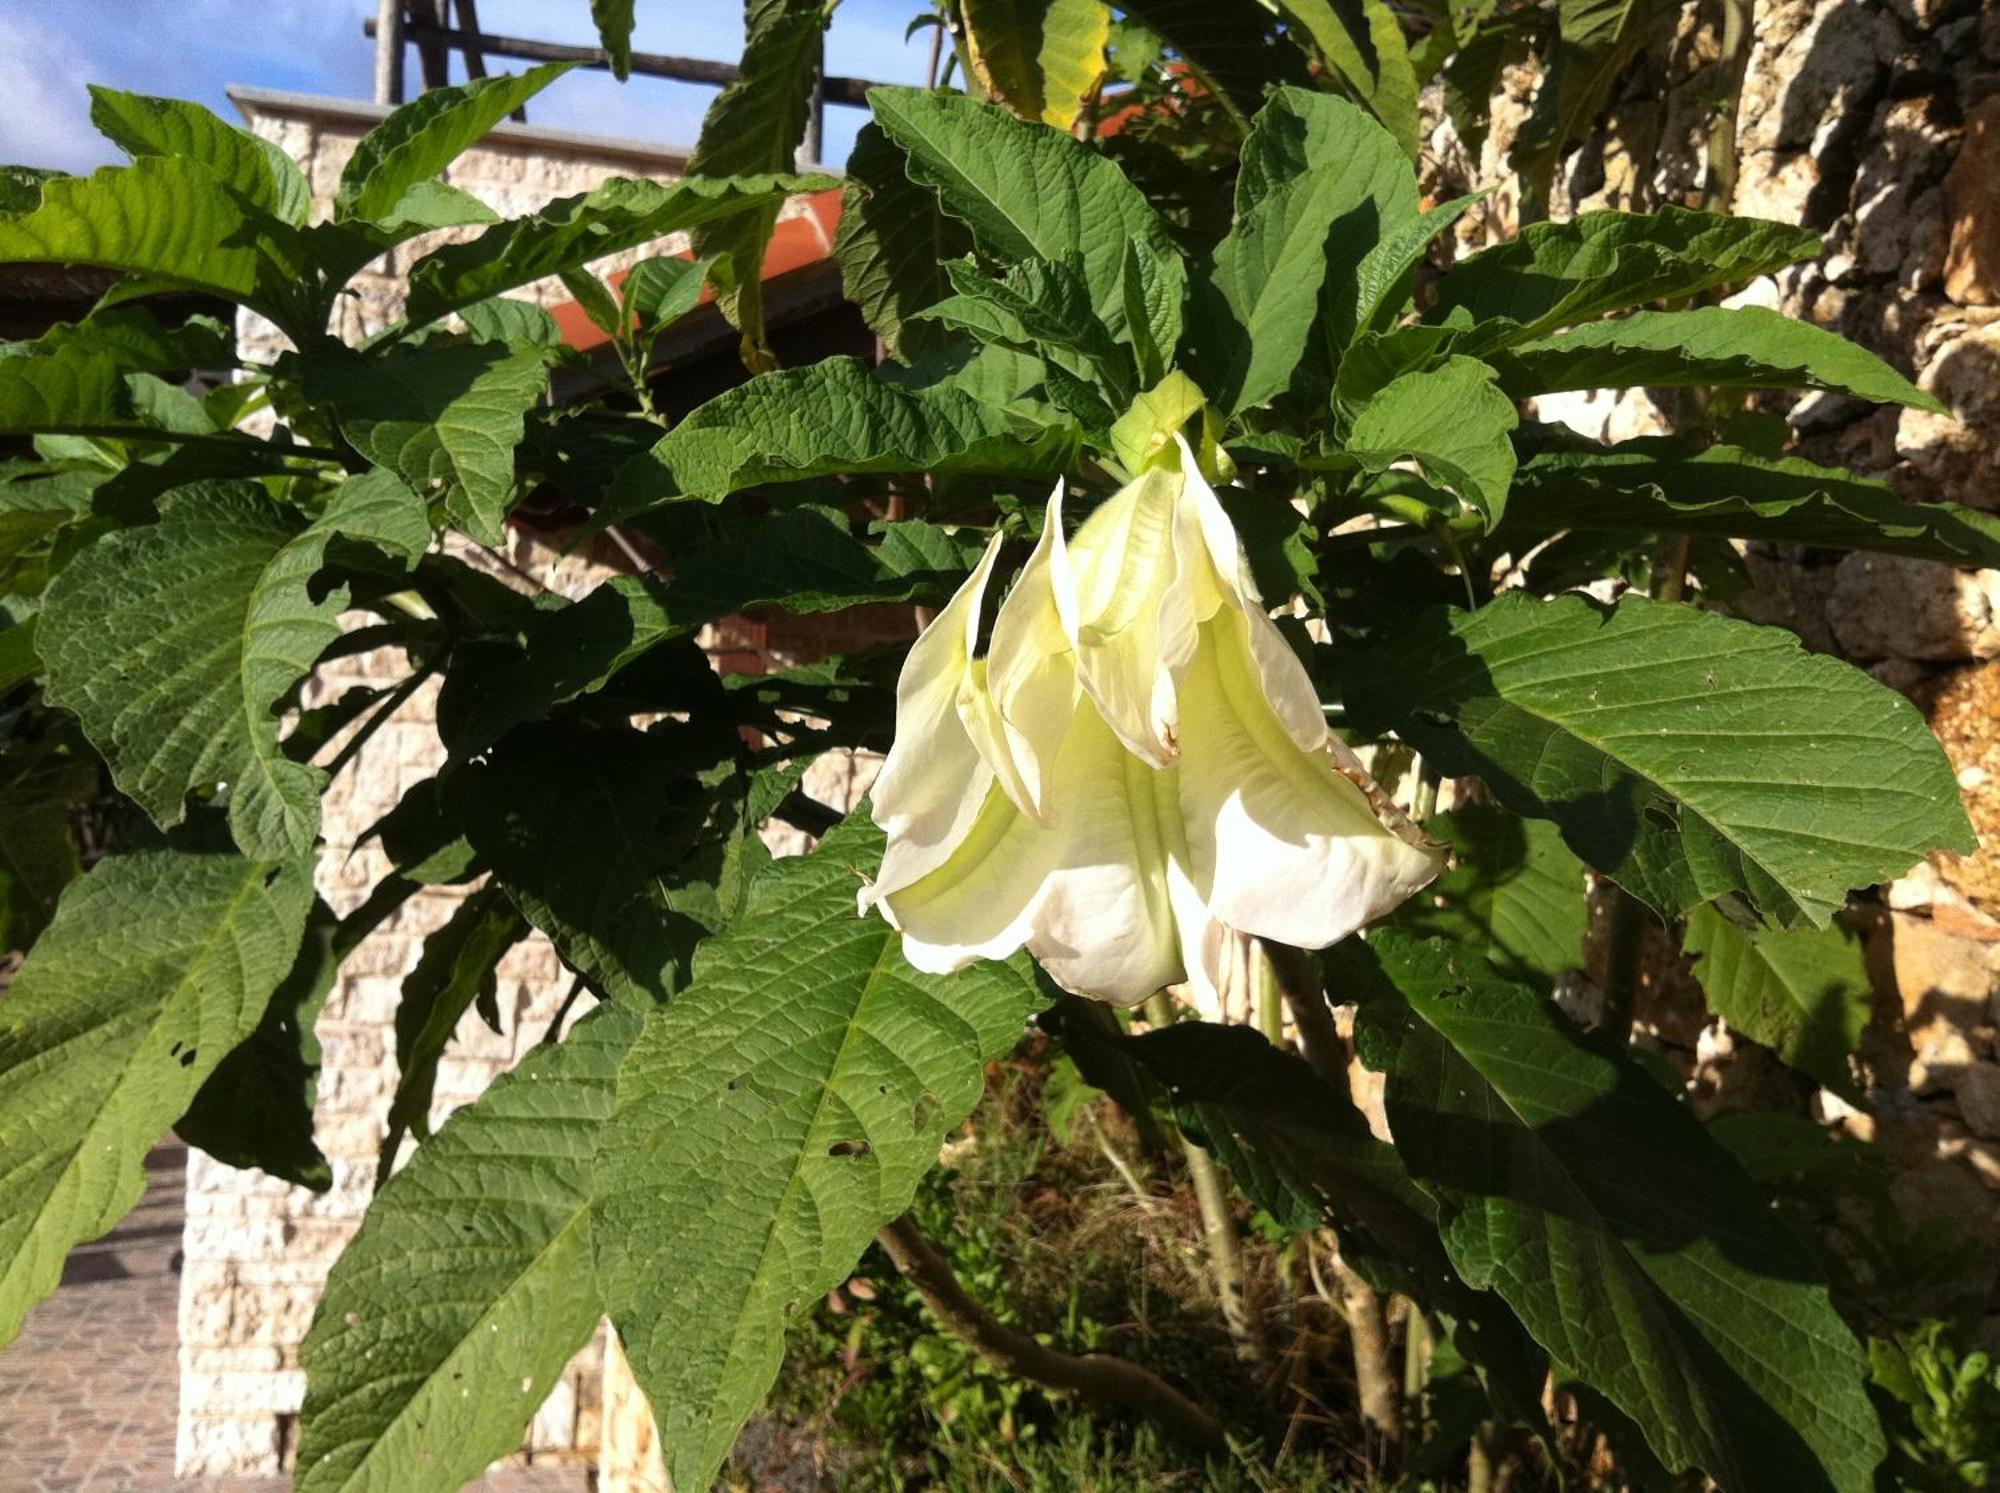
1137	768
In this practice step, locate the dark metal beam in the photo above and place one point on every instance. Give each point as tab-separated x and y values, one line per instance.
651	64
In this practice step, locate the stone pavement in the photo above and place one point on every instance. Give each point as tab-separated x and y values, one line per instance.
90	1390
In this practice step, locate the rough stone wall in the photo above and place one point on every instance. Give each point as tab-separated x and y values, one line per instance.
1877	123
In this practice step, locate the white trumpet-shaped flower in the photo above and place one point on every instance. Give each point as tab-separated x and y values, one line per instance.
1135	769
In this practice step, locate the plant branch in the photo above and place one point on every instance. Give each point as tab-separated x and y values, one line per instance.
1097	1377
1719	187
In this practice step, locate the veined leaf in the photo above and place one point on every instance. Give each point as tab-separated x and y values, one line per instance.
1514	892
379	508
173	644
1234	46
659	291
1453	421
155	967
1029	192
1038	57
1321	184
168	218
426	135
754	126
72	389
41	782
1631	1244
782	1109
619	214
893	243
21	187
1557	274
448	1319
833	416
1684	754
137	343
246	163
1747	348
1659	484
1800	991
1362	42
446	419
613	19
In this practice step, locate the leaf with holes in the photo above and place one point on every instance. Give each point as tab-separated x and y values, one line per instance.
1684	754
155	966
781	1110
1629	1242
449	1318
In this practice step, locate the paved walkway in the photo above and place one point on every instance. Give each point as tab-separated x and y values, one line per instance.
90	1390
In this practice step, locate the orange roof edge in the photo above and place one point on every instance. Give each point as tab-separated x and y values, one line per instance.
798	241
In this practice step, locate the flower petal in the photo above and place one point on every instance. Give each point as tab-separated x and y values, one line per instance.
1285	844
934	781
1031	671
1120	568
1089	897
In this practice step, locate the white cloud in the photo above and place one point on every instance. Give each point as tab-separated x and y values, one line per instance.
46	121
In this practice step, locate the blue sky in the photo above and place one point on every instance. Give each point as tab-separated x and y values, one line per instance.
50	49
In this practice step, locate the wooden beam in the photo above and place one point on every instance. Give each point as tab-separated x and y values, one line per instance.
836	90
387	29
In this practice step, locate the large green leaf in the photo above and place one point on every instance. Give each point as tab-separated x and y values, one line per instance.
755	126
893	243
1030	192
1660	484
592	831
1321	183
1801	991
1630	1243
1361	41
448	1319
1557	274
70	390
137	342
834	416
426	135
169	218
1514	892
570	232
155	967
1038	57
173	644
1746	348
245	163
1453	421
456	968
1684	754
1235	46
774	1116
444	418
